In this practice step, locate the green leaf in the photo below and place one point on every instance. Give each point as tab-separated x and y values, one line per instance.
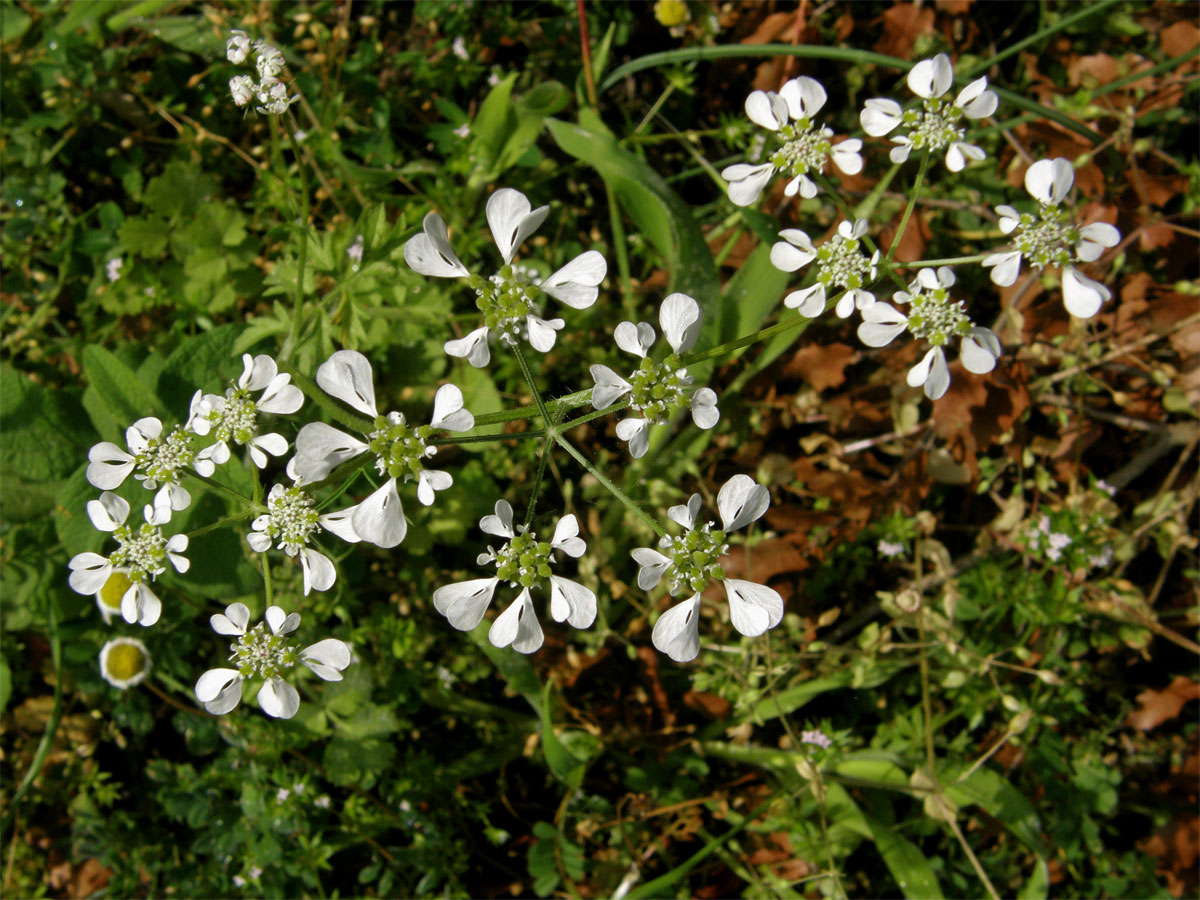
1037	886
351	761
996	796
71	521
43	438
908	865
751	295
5	683
122	397
566	767
146	238
659	213
515	668
208	361
13	24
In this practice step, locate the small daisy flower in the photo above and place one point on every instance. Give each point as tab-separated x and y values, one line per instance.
237	48
1051	238
153	460
124	662
524	562
234	417
841	262
400	449
936	319
806	147
936	124
113	268
140	557
291	520
265	652
508	299
657	391
692	561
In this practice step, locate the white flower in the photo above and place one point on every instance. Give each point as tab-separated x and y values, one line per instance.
355	251
459	48
463	130
153	460
139	557
234	417
935	124
523	562
267	655
273	98
270	61
113	268
124	662
840	262
806	146
890	549
292	520
237	48
1051	238
935	318
242	89
691	562
657	391
400	449
508	299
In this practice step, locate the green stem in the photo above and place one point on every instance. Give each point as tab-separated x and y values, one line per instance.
612	488
1065	22
289	345
620	248
227	491
729	346
537	395
952	261
543	458
912	202
662	98
486	438
595	414
228	520
852	215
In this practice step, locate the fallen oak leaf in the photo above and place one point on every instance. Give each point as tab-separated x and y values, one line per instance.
1157	707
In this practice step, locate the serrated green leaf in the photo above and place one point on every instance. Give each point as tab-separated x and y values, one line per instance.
123	396
146	238
357	761
71	521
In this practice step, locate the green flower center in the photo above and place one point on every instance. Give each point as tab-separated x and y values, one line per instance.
935	317
1048	239
841	262
506	299
524	560
140	552
114	589
237	420
162	459
124	661
261	652
935	125
292	518
805	149
400	449
658	389
695	558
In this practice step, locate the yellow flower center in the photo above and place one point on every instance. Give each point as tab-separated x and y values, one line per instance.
114	589
125	661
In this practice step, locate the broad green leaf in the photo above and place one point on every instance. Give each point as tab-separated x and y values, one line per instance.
208	361
515	668
908	865
753	294
44	430
13	24
71	521
5	683
1037	886
192	34
660	214
146	238
565	766
358	761
123	397
997	797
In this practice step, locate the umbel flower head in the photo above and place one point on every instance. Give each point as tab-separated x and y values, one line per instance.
1051	238
524	562
508	299
124	662
140	557
692	561
292	520
400	449
841	262
234	417
936	124
265	652
805	148
271	93
657	391
936	319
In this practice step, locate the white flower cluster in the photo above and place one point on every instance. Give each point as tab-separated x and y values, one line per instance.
269	92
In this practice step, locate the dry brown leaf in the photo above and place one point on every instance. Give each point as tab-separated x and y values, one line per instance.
902	25
822	365
1179	38
1156	707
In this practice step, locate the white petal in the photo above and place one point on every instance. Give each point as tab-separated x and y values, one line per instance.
1005	267
958	154
1049	180
881	323
740	501
652	566
327	658
216	681
753	608
846	156
341	524
810	301
275	444
685	513
879	116
566	538
109	512
747	182
1094	238
795	250
636	339
900	152
677	631
931	77
429	481
804	96
1081	296
281	397
704	408
932	372
511	220
278	698
576	283
976	352
634	431
473	348
465	602
319	573
109	466
679	318
518	626
223	624
430	253
572	602
501	523
767	110
140	605
89	572
610	387
448	412
802	185
380	519
347	375
139	435
543	332
976	101
1009	218
321	448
